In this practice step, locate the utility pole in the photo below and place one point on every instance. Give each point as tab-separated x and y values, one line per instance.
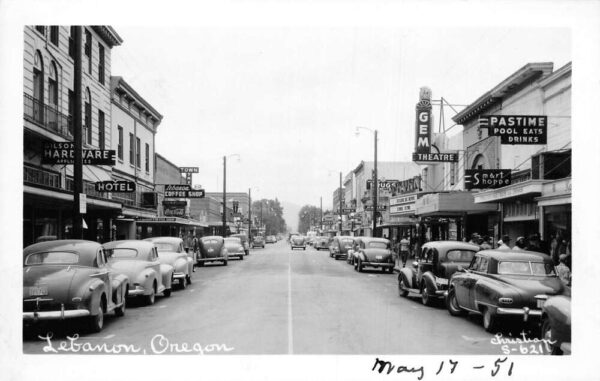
375	188
224	229
321	226
77	138
249	214
340	196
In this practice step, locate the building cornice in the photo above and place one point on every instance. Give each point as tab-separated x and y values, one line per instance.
108	34
120	86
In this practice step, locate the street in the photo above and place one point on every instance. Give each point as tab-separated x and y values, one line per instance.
277	301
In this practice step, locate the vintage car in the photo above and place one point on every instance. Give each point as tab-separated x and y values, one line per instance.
67	279
212	249
501	284
298	241
258	241
322	243
270	239
430	274
234	247
171	252
556	322
373	252
139	261
339	246
244	239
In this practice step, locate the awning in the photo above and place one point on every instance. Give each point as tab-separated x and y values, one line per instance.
451	204
67	196
529	188
92	173
170	221
556	192
400	221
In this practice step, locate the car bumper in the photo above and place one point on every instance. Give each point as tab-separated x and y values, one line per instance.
53	315
136	292
525	312
378	264
204	260
298	246
178	276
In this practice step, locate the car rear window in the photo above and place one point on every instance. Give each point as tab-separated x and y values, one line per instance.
121	253
525	268
378	245
209	241
167	246
460	255
52	258
347	241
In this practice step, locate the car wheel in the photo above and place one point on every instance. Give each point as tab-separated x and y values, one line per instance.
225	263
183	283
241	257
167	292
391	270
188	279
149	299
359	266
304	248
452	304
490	320
200	264
402	287
425	298
96	322
120	311
546	334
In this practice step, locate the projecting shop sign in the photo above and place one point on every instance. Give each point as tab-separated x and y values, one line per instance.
120	186
423	125
182	191
516	129
487	178
188	170
64	153
383	184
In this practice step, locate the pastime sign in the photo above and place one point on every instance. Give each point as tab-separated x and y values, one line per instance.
115	186
487	178
516	129
64	153
451	157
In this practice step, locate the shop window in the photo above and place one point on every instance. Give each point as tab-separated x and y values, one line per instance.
54	34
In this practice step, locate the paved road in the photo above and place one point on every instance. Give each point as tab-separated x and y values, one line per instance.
279	301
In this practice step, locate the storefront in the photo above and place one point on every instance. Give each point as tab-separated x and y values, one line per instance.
555	209
169	227
453	216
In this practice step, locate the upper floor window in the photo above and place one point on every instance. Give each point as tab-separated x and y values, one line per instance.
88	49
53	86
54	34
138	150
147	157
100	63
71	110
72	42
38	77
131	148
41	29
101	130
88	117
120	146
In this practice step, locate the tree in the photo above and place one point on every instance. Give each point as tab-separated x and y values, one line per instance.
269	213
308	216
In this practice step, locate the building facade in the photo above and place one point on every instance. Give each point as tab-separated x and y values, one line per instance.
48	112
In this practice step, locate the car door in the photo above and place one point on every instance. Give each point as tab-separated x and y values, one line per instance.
464	281
154	264
105	275
480	272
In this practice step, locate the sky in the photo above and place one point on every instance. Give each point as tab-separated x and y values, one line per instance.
288	100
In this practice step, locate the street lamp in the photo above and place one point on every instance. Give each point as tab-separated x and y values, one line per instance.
224	228
375	184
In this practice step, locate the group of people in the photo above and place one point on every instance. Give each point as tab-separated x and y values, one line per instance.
559	249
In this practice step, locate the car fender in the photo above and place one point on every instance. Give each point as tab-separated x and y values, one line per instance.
146	277
486	293
93	293
166	272
181	265
408	276
119	286
429	279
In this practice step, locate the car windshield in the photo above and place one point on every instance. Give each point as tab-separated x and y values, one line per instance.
167	246
52	258
233	240
460	255
347	241
120	253
378	245
526	268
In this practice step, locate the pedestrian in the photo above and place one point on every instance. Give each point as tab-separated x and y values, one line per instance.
474	239
503	243
195	249
563	270
534	243
519	244
486	243
187	242
404	245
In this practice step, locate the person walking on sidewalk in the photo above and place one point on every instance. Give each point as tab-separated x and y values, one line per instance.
404	244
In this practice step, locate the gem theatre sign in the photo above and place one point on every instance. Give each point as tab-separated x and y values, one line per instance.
516	129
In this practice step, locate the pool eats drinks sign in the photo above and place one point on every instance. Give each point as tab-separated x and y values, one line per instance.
516	129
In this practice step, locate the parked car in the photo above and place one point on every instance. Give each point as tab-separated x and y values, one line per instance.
171	252
373	252
67	279
500	283
430	274
298	241
212	249
353	248
258	241
322	243
270	239
339	246
234	247
138	260
244	239
556	322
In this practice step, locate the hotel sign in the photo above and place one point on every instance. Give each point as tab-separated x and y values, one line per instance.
516	129
487	178
64	153
120	186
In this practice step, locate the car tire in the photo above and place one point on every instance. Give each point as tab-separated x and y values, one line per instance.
225	263
452	304
490	320
150	299
391	270
120	311
96	322
546	334
241	257
167	292
304	248
402	289
188	279
425	297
